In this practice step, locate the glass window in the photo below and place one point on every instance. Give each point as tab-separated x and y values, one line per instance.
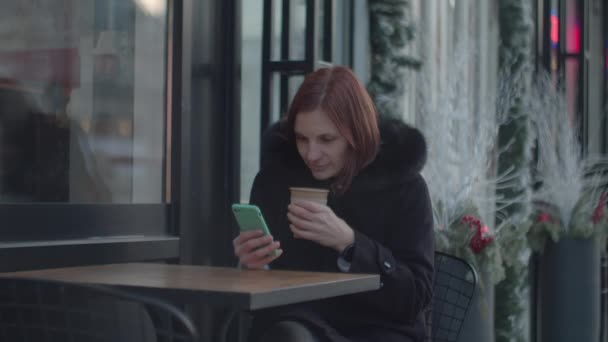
277	31
323	31
251	76
572	91
573	27
283	85
83	101
297	30
540	35
293	85
554	37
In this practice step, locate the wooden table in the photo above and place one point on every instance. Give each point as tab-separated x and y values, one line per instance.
226	287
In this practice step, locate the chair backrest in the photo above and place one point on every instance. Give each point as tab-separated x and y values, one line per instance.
453	289
45	311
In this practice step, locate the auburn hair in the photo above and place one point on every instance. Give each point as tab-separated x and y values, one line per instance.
338	93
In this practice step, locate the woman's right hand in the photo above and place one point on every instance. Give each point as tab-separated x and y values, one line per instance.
254	249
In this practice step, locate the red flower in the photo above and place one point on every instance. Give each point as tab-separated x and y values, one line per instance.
484	230
472	221
598	212
468	219
480	238
479	242
543	217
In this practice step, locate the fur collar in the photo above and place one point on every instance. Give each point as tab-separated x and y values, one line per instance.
401	156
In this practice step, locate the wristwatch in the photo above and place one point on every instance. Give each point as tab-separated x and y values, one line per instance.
347	252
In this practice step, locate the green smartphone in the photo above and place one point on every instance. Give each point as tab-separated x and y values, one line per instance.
249	217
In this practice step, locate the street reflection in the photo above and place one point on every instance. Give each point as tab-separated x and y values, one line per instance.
82	101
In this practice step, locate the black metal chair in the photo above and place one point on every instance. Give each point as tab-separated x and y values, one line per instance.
453	289
48	311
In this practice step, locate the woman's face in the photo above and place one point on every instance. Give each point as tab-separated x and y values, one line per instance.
320	144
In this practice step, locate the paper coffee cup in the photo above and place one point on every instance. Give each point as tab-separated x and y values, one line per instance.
309	194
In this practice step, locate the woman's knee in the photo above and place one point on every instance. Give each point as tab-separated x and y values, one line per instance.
289	331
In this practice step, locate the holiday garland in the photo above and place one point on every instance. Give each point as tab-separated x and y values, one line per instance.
391	30
586	221
516	32
471	239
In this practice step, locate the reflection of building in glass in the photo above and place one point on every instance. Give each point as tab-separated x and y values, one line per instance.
101	65
112	104
38	161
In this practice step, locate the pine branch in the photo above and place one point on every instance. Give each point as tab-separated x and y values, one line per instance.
516	29
391	30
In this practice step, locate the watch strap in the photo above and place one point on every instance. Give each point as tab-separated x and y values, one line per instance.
348	252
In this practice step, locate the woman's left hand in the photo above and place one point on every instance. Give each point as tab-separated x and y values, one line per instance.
318	223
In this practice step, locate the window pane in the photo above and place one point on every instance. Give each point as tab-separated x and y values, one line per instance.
276	110
294	84
277	31
251	76
540	35
572	79
573	27
323	32
82	101
297	30
554	37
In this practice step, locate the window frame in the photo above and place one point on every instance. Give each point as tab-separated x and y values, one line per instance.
286	67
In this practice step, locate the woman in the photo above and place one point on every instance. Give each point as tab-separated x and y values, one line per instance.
378	217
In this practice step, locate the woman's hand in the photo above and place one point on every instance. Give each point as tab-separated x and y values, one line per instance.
318	223
254	249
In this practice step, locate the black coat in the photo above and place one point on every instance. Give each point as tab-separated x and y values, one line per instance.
388	207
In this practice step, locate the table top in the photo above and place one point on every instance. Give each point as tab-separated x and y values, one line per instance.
221	286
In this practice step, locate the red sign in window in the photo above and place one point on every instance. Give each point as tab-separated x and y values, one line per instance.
45	66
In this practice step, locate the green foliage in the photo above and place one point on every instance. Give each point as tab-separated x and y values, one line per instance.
539	233
508	297
391	30
513	241
455	240
516	32
590	217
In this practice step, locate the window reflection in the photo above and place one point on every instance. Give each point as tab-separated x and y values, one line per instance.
82	101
